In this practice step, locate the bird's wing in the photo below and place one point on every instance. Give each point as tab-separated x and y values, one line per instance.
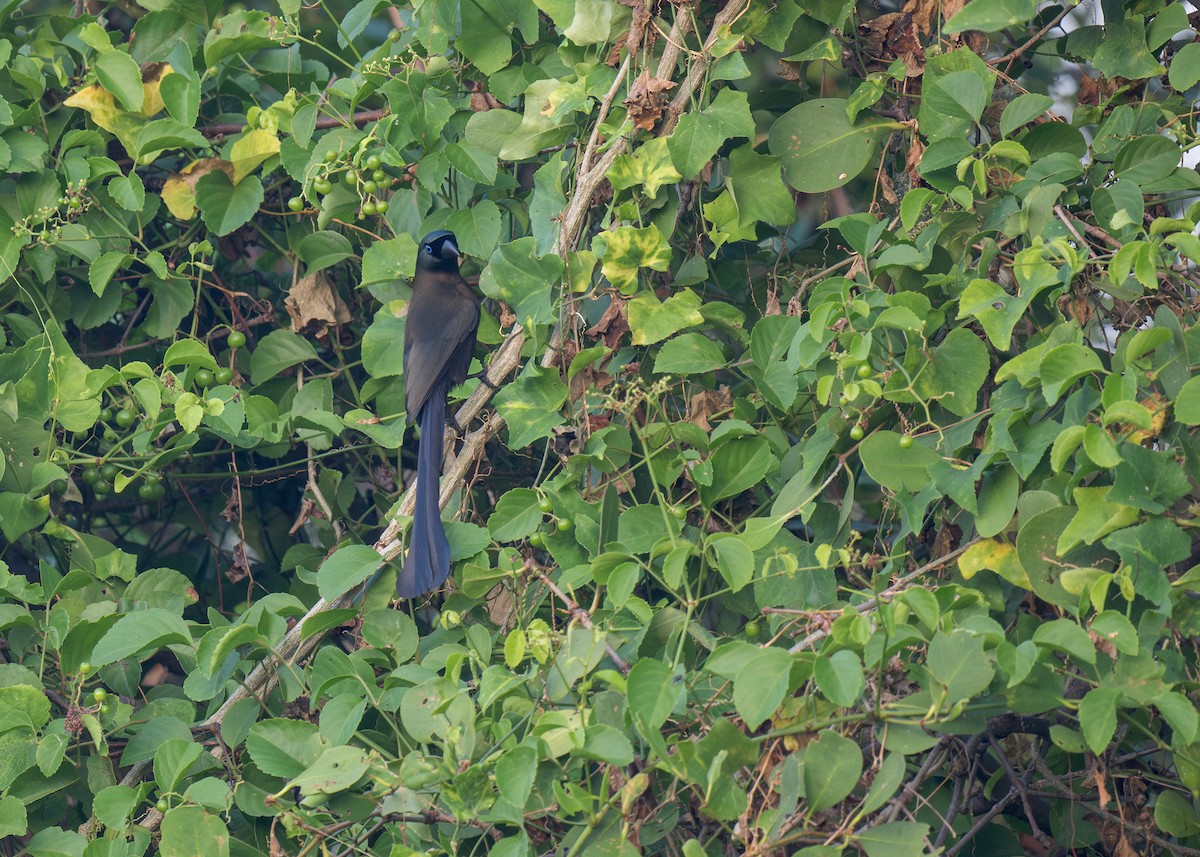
434	331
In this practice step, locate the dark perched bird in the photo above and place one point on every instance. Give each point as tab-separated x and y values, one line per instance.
439	340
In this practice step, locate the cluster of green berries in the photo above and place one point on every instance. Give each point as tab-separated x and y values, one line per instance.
368	178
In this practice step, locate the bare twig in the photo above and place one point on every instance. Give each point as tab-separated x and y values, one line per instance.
583	618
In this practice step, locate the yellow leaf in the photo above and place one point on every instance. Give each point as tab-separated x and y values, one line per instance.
101	106
997	556
250	150
179	191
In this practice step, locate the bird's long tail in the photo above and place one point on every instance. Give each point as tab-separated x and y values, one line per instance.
428	561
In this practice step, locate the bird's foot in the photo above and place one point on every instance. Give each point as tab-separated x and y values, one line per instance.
485	380
453	423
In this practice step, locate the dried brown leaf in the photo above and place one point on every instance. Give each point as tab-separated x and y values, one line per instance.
315	305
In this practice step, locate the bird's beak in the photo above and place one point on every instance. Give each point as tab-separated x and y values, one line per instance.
457	253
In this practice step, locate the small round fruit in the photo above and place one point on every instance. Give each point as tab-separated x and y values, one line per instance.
382	206
369	186
104	709
378	175
125	418
864	370
350	177
295	204
99	694
205	377
753	630
161	804
373	162
368	208
563	524
322	186
85	668
679	512
330	156
58	486
236	339
74	204
109	472
223	375
158	492
537	540
545	505
906	441
146	492
90	476
106	415
856	433
393	36
110	435
101	488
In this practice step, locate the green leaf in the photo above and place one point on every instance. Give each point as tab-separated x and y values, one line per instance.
832	767
990	16
386	261
1185	68
172	761
1187	403
224	205
1096	518
755	183
699	135
887	780
345	569
690	354
893	466
1024	108
734	561
896	838
1147	159
652	692
1063	366
525	280
957	663
1123	52
516	515
101	271
283	748
649	167
335	770
819	146
1098	717
140	632
118	72
960	94
761	684
532	405
189	830
241	33
250	150
278	350
737	466
840	677
1066	636
128	192
321	249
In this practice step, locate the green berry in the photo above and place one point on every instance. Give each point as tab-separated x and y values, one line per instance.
106	415
159	492
378	175
161	804
110	435
563	524
85	668
90	476
322	186
382	206
537	540
350	177
373	162
152	478
906	441
864	370
545	505
223	375
369	186
101	488
205	377
856	433
146	492
104	709
109	472
125	418
99	694
679	512
58	486
330	156
393	36
753	630
368	208
295	203
236	339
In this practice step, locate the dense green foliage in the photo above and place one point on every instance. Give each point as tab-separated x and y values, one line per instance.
838	494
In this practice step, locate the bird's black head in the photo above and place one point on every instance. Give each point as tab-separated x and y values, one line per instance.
438	252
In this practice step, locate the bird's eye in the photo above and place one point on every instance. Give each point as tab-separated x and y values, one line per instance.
429	249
